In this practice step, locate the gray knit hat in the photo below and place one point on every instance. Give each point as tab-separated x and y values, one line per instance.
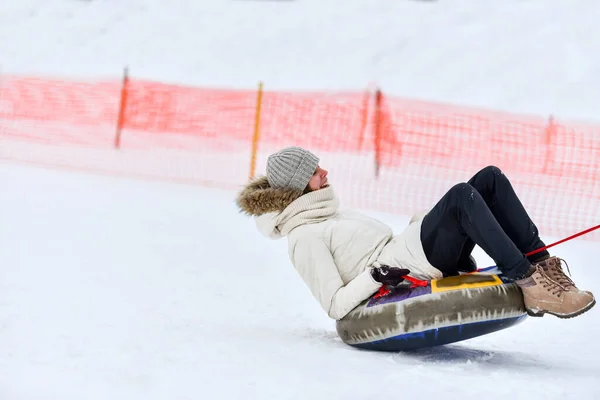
291	167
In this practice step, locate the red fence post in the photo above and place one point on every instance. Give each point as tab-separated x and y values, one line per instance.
378	97
123	103
550	135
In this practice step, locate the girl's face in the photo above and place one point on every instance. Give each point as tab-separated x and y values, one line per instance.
318	180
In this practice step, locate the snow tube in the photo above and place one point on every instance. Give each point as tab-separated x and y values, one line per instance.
445	311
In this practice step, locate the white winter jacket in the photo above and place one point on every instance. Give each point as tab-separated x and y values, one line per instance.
334	251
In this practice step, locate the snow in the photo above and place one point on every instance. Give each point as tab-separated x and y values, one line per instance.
529	56
128	289
124	289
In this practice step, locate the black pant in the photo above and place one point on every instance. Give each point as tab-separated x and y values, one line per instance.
485	211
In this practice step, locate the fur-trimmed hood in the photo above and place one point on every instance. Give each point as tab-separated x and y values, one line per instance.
258	198
278	211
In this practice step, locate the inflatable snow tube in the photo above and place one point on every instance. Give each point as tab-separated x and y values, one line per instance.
445	311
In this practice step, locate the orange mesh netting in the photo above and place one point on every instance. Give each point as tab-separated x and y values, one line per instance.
383	153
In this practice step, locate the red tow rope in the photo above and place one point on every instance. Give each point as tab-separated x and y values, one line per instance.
563	240
384	291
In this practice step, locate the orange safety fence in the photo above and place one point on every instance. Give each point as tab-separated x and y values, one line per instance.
384	153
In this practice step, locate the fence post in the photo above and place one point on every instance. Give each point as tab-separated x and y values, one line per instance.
256	134
550	134
122	105
378	98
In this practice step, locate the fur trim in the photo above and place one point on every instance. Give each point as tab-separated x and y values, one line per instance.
258	197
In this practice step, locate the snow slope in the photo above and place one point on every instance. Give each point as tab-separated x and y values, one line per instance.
117	289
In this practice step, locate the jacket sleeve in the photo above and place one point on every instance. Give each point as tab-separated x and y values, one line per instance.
314	262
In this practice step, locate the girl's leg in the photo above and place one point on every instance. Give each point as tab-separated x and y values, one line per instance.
486	214
499	195
460	220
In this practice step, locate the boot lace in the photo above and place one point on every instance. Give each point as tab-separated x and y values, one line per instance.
555	271
550	284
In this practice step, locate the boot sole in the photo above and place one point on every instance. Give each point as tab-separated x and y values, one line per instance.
562	316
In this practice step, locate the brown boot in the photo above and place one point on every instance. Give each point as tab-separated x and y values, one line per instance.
543	294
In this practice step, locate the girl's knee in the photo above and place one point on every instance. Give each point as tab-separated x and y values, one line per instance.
491	171
462	190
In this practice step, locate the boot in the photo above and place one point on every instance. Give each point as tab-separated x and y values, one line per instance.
542	295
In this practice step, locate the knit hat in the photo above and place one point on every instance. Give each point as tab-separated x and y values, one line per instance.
291	168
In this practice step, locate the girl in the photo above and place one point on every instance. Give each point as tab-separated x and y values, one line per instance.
344	257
